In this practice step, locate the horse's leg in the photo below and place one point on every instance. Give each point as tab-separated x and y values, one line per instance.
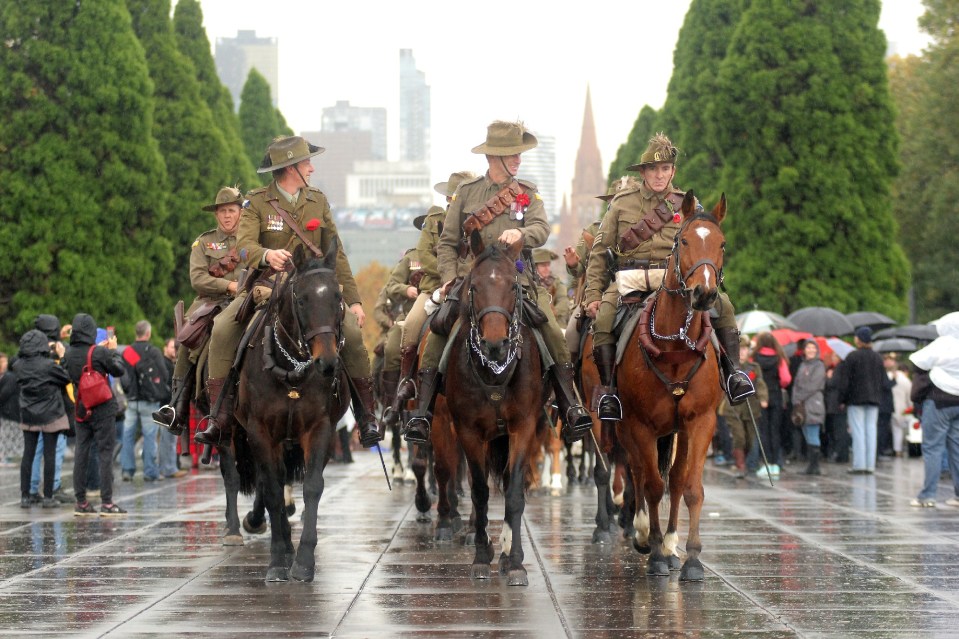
397	451
281	546
422	499
255	520
446	458
431	457
556	466
570	463
479	490
315	457
512	539
628	508
584	460
653	486
231	486
693	496
288	502
601	477
677	482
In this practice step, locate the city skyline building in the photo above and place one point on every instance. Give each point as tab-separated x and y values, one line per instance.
414	110
235	57
346	117
538	165
343	149
589	180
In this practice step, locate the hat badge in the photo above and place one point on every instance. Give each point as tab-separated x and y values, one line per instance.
289	155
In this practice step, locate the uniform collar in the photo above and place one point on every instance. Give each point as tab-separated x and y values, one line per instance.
648	194
490	182
220	234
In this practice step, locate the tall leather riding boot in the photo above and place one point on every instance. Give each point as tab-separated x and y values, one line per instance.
406	388
418	428
739	455
738	386
176	415
221	410
576	421
344	436
813	467
389	381
363	410
610	407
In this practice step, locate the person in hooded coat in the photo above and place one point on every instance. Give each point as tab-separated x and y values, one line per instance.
99	427
807	389
41	382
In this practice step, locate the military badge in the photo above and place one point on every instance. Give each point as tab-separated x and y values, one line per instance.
216	246
274	223
517	210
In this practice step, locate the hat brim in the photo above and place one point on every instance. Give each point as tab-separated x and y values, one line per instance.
314	150
529	142
211	208
637	167
418	222
442	188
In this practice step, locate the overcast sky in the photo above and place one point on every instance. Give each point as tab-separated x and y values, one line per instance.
526	59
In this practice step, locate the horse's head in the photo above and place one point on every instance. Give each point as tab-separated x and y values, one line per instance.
314	313
698	253
493	295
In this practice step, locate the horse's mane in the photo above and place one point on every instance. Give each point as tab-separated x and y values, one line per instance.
491	252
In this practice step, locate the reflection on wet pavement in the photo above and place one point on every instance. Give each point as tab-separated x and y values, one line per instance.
833	556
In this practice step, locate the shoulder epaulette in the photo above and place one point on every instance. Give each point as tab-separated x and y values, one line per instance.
201	235
435	210
256	191
528	184
470	181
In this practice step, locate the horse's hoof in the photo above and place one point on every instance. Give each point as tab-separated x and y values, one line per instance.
692	571
457	524
517	577
657	568
504	564
290	510
301	573
235	539
423	503
644	549
253	530
278	574
469	539
423	517
443	534
480	571
673	562
601	536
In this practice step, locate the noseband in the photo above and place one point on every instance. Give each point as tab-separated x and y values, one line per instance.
300	342
513	337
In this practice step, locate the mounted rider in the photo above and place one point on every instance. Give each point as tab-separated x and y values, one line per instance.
266	238
639	231
506	210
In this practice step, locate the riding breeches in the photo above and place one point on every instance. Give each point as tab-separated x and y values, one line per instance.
227	334
552	337
413	324
391	350
724	316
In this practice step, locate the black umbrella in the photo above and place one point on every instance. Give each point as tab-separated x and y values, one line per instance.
894	345
875	321
920	332
820	320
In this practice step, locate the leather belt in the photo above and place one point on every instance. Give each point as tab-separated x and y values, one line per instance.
630	265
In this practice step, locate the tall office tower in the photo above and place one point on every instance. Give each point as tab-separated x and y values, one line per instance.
539	166
343	149
414	110
588	182
236	56
345	117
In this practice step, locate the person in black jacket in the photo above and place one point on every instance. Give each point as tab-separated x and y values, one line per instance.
100	425
10	437
41	382
860	390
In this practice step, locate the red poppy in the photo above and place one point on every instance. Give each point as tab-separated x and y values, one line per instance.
522	199
676	218
313	224
752	375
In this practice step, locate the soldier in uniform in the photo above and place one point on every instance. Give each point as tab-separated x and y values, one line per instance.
429	282
402	290
524	220
265	239
559	302
642	258
213	275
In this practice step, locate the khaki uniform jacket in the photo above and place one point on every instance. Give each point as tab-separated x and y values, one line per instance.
399	281
469	197
261	228
426	249
207	251
381	313
627	208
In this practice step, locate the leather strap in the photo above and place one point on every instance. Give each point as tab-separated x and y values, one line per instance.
493	208
286	217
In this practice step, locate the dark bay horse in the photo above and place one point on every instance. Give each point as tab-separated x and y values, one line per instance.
669	388
495	392
292	391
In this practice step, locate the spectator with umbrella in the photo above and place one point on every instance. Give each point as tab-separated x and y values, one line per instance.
775	372
807	391
860	388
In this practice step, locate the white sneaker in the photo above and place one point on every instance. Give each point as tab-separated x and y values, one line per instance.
952	501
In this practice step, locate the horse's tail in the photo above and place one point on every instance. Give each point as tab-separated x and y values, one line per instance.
245	465
498	458
664	450
295	464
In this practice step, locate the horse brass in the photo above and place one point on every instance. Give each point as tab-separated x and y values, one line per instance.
293	394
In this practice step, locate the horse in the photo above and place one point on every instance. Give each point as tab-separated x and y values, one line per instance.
669	388
494	378
292	391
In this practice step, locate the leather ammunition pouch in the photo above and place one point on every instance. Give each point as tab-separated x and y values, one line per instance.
224	265
197	327
250	302
654	221
532	313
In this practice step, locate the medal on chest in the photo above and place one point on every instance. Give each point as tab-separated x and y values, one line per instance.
517	210
216	246
274	223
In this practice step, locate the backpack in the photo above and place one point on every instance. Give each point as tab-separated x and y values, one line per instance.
93	389
149	373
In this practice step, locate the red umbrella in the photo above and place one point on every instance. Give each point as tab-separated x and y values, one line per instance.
789	336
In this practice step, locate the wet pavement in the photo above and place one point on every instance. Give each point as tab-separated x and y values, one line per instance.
831	556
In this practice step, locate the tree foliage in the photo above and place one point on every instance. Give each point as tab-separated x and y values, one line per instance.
193	146
192	42
370	280
630	151
81	176
805	131
926	192
260	122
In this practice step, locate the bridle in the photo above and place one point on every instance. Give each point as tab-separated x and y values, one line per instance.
513	338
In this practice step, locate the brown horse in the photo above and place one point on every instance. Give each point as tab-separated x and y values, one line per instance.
292	391
669	385
495	394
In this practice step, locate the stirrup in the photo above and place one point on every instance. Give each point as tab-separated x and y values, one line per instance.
165	416
610	408
739	387
577	424
417	430
209	436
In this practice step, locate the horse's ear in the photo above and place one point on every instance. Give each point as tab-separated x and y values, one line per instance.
689	204
329	259
299	257
513	250
476	243
719	211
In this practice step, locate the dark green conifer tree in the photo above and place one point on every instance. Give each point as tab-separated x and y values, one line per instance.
81	176
805	130
192	42
259	120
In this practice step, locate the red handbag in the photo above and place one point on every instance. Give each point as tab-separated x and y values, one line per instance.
93	388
